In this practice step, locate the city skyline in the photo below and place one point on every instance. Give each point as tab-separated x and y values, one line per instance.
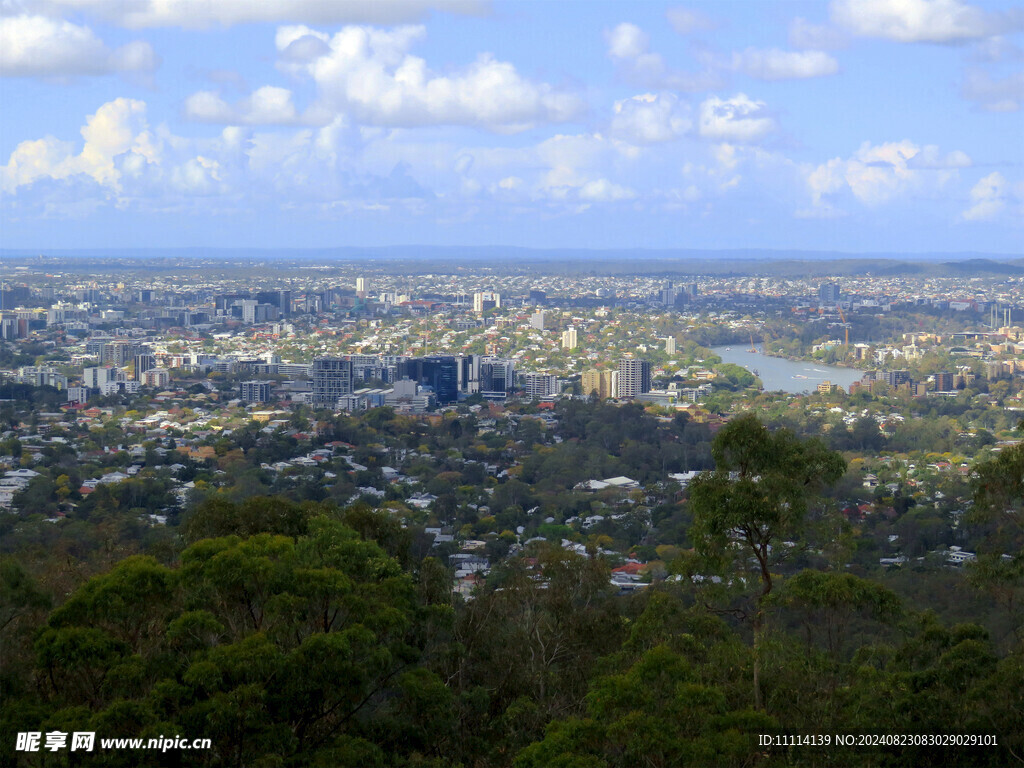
889	125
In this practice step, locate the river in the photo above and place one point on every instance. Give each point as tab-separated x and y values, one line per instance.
779	373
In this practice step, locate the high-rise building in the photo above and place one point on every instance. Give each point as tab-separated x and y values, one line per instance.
249	310
944	382
362	287
497	376
634	377
490	376
896	378
332	378
255	391
282	300
537	320
144	362
117	353
95	378
539	384
670	345
569	339
486	300
599	383
828	294
156	377
538	297
439	372
668	294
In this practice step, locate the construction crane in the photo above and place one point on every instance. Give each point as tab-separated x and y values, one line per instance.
846	349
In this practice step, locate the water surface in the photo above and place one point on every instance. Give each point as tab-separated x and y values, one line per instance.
779	373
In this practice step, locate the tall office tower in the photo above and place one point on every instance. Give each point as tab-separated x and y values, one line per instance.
497	375
599	383
537	321
944	382
469	374
693	290
538	297
539	384
332	378
95	378
280	299
828	294
249	310
362	286
144	362
668	294
896	378
569	338
440	372
223	301
670	345
634	377
486	300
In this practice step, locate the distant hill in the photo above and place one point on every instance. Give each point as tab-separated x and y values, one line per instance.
983	266
667	262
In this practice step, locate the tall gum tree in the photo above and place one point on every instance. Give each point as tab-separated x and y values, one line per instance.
757	496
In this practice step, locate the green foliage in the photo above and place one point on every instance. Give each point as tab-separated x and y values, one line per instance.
657	712
759	491
276	647
999	496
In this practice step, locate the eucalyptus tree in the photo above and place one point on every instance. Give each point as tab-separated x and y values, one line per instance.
757	497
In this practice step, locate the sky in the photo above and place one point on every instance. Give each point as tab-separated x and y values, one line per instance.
850	125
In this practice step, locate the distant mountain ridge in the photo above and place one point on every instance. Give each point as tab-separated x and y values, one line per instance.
568	261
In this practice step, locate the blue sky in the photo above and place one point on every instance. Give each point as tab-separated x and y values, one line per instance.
851	125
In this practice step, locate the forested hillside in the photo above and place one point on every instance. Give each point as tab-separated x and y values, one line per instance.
319	627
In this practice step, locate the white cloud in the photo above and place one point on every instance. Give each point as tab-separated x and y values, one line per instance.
268	105
136	56
988	198
627	41
921	21
775	64
996	49
686	21
604	191
876	174
930	157
650	119
739	119
1005	95
116	130
198	176
807	35
209	107
369	75
203	14
726	156
629	47
36	46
